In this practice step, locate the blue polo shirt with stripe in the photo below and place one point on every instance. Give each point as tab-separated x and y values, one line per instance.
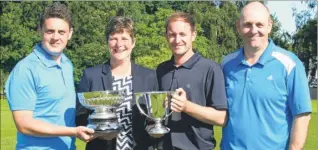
263	99
37	83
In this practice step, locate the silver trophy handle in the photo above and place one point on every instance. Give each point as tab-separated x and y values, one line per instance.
140	109
167	113
166	116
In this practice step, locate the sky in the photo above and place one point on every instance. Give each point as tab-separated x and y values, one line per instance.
284	13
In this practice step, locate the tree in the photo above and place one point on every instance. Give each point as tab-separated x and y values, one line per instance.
305	43
280	37
305	39
18	33
216	33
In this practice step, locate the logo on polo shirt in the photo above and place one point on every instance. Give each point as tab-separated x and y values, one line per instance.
270	77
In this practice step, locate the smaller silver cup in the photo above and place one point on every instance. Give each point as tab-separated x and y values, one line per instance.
104	103
157	104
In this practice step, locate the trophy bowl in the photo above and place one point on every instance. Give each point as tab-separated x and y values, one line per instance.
157	107
104	103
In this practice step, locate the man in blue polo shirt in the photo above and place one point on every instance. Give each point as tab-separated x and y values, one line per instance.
201	102
40	89
267	90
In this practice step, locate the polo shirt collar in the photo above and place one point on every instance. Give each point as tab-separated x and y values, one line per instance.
265	57
240	57
267	54
190	62
45	58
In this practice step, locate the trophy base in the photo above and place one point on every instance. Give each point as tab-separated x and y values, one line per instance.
106	134
107	131
104	125
157	131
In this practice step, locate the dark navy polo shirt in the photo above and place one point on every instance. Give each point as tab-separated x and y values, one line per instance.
203	81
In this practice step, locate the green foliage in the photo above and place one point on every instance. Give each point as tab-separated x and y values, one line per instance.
305	43
216	32
152	61
305	39
280	37
87	55
18	32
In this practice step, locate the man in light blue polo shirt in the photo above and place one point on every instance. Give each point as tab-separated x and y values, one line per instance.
40	89
267	90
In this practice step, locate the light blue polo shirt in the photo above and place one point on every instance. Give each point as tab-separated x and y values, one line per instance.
263	99
37	83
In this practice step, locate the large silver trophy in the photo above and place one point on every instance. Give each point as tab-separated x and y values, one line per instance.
157	107
104	104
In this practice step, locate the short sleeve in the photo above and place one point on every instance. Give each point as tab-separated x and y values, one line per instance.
216	96
21	89
298	90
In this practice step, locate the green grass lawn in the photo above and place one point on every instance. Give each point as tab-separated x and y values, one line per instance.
8	131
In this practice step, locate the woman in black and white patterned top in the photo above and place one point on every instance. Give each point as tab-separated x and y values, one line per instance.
125	137
120	73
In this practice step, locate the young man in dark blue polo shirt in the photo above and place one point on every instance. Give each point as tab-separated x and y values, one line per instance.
201	100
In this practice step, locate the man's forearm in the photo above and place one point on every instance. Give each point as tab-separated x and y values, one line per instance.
35	127
299	131
26	124
207	114
40	128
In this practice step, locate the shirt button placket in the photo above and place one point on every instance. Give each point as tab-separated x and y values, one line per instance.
248	75
62	73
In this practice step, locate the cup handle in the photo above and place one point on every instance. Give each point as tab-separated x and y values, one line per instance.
167	115
140	109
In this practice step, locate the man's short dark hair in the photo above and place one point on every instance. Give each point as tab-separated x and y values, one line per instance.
181	16
56	10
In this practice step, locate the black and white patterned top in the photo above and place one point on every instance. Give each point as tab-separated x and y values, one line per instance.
124	139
